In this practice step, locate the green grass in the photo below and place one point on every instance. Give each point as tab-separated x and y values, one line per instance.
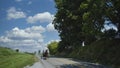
12	59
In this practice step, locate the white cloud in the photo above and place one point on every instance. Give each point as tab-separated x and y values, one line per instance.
35	29
51	0
41	17
5	39
30	2
108	25
50	27
12	13
33	32
24	39
18	0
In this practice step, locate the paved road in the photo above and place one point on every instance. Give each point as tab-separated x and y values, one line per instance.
54	62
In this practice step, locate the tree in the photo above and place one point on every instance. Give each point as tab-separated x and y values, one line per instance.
53	47
17	50
68	22
83	20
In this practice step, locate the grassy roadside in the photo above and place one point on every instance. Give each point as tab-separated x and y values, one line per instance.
12	59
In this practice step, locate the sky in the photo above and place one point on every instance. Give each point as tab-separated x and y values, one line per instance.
27	24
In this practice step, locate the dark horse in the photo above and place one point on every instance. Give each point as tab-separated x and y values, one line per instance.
45	54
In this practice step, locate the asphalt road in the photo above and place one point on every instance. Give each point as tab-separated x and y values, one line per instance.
54	62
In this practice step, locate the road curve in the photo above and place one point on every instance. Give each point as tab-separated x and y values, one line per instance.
55	62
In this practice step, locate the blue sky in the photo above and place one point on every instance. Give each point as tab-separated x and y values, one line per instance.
27	24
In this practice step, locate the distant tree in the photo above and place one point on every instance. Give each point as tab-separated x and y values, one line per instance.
53	47
17	50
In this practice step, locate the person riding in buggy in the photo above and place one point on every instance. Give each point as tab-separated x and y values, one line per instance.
45	54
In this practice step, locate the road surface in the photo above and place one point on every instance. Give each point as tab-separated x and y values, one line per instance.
54	62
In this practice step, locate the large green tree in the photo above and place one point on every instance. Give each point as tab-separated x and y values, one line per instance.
83	20
77	21
68	22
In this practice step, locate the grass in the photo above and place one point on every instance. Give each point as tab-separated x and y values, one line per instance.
12	59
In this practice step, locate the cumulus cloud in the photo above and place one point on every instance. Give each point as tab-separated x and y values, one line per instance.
18	0
30	2
50	27
30	38
51	0
17	33
5	39
41	17
35	29
12	13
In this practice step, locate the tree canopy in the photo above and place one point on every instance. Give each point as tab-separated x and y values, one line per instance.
79	21
53	47
83	20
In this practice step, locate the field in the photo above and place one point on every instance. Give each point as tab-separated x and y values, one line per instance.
12	59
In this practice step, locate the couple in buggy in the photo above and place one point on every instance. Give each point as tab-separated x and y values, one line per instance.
45	54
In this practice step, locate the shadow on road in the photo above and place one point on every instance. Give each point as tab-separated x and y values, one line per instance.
69	66
81	66
58	62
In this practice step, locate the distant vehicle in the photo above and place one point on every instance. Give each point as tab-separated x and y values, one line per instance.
45	54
